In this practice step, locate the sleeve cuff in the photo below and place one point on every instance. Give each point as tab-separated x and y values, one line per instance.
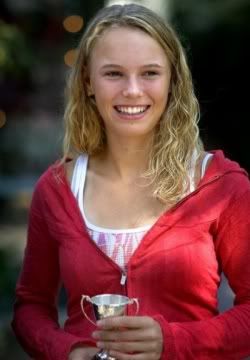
64	344
169	351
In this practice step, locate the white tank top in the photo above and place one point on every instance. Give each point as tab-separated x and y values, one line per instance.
118	244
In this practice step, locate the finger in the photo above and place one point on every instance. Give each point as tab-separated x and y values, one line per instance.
142	356
130	347
132	322
126	335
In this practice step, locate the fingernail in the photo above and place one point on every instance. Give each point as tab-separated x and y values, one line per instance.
99	323
95	334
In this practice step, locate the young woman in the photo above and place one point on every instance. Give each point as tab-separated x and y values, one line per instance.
136	207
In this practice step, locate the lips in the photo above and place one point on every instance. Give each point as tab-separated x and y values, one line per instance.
131	112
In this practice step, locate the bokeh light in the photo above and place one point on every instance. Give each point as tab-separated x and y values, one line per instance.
2	118
70	57
73	23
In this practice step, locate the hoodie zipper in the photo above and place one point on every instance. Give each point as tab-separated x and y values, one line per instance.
123	278
123	273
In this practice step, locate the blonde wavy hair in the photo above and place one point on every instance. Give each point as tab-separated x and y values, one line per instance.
176	138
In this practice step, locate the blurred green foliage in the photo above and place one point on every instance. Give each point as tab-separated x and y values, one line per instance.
15	54
8	276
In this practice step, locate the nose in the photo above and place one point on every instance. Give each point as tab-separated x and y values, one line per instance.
132	88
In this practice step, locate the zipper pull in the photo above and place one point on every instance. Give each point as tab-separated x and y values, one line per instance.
123	279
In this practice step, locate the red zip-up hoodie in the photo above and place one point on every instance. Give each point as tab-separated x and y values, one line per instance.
175	271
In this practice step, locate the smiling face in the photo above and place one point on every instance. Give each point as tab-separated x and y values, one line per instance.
130	78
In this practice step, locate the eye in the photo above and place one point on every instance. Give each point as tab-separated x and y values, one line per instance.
150	73
113	74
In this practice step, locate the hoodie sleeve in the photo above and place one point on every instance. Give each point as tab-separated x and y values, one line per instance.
226	336
35	321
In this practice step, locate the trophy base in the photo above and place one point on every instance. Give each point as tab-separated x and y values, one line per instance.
103	355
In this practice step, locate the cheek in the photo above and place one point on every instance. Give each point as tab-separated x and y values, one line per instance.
162	100
105	92
159	92
104	104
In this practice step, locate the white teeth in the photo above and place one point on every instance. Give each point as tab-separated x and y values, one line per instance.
131	110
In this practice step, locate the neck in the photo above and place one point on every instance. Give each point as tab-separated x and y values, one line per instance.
127	159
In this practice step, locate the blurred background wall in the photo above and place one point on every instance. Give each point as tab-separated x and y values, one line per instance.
37	46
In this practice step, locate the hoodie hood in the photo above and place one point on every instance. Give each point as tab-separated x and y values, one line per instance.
221	165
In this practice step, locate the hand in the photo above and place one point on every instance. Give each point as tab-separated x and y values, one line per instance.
82	353
130	337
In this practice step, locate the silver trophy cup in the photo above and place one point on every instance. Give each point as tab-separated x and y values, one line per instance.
107	305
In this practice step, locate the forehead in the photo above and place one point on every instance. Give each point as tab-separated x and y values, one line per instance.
125	45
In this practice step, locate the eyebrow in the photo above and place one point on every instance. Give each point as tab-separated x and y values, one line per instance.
153	65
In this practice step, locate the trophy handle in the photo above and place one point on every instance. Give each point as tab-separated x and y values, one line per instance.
134	300
87	298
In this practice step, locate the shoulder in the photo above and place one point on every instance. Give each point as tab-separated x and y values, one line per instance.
57	177
230	183
53	177
230	171
69	168
51	189
70	164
